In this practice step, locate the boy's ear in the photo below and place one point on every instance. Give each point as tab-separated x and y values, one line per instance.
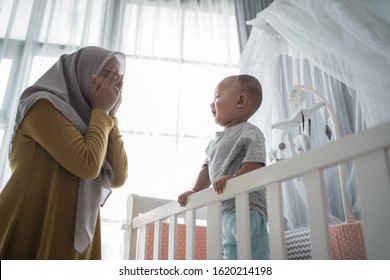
242	100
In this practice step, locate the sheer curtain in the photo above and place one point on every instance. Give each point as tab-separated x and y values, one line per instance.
247	10
177	51
339	48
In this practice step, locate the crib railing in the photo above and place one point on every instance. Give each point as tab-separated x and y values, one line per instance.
368	150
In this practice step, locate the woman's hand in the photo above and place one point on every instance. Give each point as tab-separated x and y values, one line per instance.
106	95
119	101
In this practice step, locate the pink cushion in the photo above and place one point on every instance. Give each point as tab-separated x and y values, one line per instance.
347	241
181	242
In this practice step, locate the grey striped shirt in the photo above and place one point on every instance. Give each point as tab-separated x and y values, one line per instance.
229	150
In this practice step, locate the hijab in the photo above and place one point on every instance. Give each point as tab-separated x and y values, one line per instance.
67	86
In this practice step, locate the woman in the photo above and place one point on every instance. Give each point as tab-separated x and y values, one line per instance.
66	154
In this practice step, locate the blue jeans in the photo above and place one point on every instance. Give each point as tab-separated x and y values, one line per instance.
259	236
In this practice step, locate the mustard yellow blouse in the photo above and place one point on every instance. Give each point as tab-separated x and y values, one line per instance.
49	156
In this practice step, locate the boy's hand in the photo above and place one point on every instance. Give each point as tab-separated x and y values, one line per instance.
182	199
220	184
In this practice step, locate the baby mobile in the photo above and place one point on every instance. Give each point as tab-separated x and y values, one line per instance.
302	142
302	118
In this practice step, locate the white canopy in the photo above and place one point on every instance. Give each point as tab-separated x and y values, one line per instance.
338	48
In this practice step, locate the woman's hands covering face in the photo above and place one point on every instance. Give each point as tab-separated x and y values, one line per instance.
119	100
107	95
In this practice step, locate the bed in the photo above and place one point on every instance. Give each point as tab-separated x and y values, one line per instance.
369	152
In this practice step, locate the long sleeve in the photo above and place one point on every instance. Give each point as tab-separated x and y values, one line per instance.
82	155
116	156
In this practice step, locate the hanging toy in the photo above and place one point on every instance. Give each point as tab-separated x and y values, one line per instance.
272	155
302	141
280	154
328	131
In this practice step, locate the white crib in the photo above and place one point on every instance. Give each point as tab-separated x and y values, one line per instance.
368	150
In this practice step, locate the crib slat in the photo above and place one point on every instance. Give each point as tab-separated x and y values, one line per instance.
373	182
143	242
157	240
172	237
190	234
277	238
317	215
131	234
214	231
243	227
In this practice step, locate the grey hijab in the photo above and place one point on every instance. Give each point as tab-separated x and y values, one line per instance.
66	85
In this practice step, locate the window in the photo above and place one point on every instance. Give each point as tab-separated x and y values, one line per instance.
5	69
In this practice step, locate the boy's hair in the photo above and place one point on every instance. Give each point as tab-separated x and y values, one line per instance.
252	86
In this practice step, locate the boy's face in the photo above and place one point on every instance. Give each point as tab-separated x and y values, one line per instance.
224	104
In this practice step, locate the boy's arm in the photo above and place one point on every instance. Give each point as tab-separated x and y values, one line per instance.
202	182
220	184
247	167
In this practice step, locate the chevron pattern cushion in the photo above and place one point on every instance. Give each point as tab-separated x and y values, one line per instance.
298	244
